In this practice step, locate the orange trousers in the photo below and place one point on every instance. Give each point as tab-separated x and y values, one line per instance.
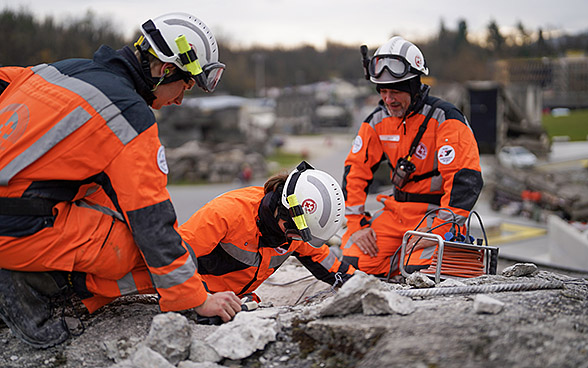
84	240
390	229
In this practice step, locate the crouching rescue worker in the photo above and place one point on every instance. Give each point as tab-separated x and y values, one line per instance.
242	237
434	160
83	176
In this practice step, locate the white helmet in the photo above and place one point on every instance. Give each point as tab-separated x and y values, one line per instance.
315	203
187	42
395	61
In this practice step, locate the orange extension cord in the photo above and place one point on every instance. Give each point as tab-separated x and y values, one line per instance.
458	262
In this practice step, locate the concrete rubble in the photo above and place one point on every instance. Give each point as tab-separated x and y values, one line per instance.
364	323
487	304
520	269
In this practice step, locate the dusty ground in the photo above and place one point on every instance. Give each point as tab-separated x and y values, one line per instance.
536	328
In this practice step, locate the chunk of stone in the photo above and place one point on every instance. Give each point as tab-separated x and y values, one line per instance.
419	280
170	335
348	297
484	304
145	357
520	269
243	336
201	351
377	302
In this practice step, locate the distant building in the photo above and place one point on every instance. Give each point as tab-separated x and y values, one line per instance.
218	119
564	80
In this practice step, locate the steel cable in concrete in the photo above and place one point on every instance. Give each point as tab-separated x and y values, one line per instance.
473	289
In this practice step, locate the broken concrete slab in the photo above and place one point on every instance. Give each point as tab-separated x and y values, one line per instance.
170	335
244	335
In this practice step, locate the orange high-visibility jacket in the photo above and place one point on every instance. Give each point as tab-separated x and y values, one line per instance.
225	238
447	161
77	124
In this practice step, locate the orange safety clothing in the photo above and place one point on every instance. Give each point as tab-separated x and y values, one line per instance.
447	177
79	134
226	241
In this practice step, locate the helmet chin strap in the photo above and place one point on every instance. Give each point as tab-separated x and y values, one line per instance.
143	48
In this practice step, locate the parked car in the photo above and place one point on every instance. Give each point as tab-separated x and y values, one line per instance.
516	157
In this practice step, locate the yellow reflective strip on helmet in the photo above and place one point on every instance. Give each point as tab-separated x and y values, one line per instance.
140	41
183	46
299	220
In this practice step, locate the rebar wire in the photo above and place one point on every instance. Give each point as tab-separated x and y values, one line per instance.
473	289
338	281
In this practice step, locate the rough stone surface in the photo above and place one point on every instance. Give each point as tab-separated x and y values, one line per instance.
537	328
121	349
145	357
486	304
170	336
201	351
348	299
376	302
244	335
419	280
520	269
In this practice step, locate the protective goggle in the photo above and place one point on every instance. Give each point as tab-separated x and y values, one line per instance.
396	65
210	76
207	79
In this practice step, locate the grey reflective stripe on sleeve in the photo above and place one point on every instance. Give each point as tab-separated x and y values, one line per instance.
329	261
175	277
126	285
355	210
249	258
56	134
98	100
275	261
448	216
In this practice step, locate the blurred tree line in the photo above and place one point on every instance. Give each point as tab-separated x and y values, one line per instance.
450	54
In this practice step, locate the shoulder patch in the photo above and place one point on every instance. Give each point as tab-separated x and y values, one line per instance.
446	154
357	144
161	161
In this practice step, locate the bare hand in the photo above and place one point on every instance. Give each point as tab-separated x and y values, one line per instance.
366	241
224	304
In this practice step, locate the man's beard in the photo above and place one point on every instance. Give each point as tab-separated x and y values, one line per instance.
396	113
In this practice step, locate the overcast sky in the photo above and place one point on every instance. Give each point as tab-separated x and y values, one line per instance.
353	22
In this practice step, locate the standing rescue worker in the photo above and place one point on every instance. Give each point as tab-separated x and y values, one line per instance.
242	237
83	176
434	160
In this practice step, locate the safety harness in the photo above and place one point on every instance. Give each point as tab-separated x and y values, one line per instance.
401	196
26	206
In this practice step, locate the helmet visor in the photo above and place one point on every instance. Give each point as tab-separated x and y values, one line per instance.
210	76
396	65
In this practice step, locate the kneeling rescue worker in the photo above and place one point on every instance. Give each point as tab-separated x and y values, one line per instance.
434	160
83	177
242	237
